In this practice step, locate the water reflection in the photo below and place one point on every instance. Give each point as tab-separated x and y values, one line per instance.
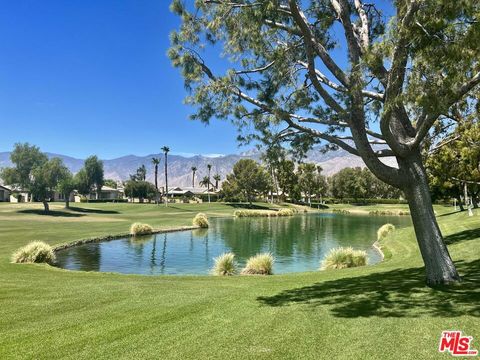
298	244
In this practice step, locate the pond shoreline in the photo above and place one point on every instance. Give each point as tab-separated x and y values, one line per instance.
119	236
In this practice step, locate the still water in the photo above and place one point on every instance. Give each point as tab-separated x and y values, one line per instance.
298	243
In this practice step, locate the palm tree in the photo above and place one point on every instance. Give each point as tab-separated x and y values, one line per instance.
156	162
194	170
205	182
217	178
209	167
165	150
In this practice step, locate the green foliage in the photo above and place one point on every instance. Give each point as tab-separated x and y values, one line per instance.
260	264
307	179
140	190
34	252
140	175
26	158
455	163
359	184
91	176
140	229
247	180
201	220
225	265
111	183
384	231
46	178
35	173
341	258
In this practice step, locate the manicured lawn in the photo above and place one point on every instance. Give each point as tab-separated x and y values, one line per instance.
375	312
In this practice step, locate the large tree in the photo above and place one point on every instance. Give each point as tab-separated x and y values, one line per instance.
25	158
453	162
248	179
307	180
94	175
46	179
328	70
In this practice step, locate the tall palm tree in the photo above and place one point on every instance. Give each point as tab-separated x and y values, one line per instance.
194	170
156	162
165	150
209	167
217	178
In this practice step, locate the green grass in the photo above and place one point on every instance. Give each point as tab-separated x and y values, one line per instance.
372	312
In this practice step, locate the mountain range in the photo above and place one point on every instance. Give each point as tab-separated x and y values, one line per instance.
179	167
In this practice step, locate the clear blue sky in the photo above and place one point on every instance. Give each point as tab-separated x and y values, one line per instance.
92	76
88	76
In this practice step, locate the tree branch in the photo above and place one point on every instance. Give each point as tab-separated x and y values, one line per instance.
302	22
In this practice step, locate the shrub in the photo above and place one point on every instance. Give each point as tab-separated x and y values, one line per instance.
341	211
225	265
389	212
264	213
285	212
140	229
200	220
341	258
384	230
35	252
260	264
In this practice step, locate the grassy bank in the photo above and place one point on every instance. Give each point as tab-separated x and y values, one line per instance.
374	312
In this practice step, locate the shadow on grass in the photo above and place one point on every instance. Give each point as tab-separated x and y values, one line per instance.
397	293
248	206
54	213
92	211
451	213
462	236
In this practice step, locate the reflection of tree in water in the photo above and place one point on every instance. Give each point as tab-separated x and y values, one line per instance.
87	257
164	253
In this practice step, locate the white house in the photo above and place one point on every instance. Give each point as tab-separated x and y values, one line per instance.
106	193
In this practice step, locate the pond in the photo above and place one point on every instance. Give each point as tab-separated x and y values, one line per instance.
298	244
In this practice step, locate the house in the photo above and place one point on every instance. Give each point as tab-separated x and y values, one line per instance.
106	193
5	194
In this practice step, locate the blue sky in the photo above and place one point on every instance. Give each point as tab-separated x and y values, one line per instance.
85	77
82	77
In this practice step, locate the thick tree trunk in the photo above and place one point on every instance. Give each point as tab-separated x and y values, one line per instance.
67	203
439	266
46	206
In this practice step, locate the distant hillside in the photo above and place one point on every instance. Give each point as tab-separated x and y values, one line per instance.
179	167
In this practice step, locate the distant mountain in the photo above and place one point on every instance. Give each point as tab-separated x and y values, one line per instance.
179	167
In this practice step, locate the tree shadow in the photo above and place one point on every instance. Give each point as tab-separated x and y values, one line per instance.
462	236
397	293
54	213
451	213
248	206
92	211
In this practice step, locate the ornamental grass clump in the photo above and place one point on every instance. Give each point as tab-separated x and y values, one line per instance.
225	265
140	229
200	220
285	212
35	252
341	258
260	264
264	213
384	230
